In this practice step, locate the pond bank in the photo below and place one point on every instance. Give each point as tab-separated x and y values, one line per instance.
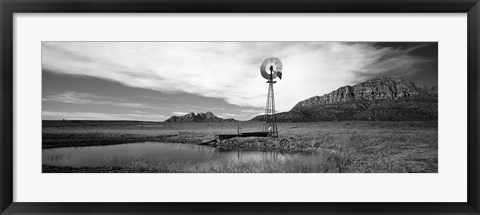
54	140
286	145
289	145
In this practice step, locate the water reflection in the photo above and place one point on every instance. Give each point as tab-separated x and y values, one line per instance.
119	155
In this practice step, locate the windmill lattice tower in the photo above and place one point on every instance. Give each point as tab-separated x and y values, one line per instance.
270	69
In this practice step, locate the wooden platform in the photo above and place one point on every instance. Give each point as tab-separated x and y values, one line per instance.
220	137
248	134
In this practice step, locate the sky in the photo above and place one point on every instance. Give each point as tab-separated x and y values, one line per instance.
152	81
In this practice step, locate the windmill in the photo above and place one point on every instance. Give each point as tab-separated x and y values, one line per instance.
270	69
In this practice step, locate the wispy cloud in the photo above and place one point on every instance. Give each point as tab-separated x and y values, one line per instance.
178	113
73	97
230	70
251	111
389	61
46	115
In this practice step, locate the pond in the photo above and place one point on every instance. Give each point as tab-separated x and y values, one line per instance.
120	155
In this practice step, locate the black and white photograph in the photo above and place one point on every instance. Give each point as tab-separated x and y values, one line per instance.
239	107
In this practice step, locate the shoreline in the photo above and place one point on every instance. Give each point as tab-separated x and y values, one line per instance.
283	145
59	140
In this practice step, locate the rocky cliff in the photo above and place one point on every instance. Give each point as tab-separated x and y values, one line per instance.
385	98
199	117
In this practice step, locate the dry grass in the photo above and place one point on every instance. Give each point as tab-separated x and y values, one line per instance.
359	146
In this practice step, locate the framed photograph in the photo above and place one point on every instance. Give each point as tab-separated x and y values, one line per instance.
239	107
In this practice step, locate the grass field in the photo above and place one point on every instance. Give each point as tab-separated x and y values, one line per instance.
343	146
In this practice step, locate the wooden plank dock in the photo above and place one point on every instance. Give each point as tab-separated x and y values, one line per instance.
248	134
220	137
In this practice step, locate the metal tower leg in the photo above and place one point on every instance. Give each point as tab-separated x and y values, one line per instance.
270	118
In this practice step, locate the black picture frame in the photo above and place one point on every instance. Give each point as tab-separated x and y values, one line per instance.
9	7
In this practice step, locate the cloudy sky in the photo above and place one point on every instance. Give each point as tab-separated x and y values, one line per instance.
155	80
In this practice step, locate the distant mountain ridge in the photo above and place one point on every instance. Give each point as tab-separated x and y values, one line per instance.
199	117
376	89
384	98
